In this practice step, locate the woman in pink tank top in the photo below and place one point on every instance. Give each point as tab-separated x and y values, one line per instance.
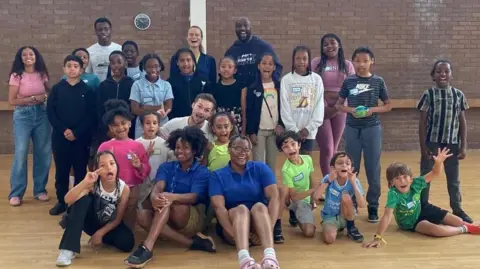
333	68
27	93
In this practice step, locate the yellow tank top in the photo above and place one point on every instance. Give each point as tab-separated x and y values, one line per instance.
218	157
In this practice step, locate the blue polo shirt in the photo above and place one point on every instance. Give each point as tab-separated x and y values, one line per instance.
246	189
194	180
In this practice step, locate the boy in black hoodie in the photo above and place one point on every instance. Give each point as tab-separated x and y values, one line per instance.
71	112
187	84
118	86
246	51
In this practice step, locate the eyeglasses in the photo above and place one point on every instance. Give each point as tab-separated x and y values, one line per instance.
239	150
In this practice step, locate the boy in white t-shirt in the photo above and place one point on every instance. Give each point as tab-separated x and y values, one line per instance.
100	51
157	151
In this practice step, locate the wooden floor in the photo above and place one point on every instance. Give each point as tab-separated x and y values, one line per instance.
29	237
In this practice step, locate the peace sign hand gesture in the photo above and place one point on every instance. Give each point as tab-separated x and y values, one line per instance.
135	160
150	149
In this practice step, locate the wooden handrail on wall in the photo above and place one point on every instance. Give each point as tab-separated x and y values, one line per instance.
397	103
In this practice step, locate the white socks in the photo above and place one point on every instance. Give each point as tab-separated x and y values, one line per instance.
243	255
269	252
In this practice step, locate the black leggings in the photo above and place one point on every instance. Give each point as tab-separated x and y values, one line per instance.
82	217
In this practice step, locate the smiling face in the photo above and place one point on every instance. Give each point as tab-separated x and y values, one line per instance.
330	47
152	68
240	151
266	66
222	128
201	110
28	57
117	65
183	151
227	68
442	75
185	63
243	29
301	62
150	126
402	183
109	168
103	32
84	56
194	37
342	166
131	54
120	127
72	69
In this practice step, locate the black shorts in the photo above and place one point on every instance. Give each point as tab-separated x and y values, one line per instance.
307	145
431	213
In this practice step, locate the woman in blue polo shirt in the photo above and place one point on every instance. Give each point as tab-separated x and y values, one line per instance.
245	198
176	208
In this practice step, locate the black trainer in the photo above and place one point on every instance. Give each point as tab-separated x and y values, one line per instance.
355	235
203	243
278	235
461	214
372	215
58	209
139	258
293	219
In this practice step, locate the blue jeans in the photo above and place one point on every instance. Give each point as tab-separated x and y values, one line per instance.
368	140
30	122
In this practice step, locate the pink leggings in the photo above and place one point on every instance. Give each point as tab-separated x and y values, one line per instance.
328	138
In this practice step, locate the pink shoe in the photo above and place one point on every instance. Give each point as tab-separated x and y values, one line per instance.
43	197
250	264
15	201
270	263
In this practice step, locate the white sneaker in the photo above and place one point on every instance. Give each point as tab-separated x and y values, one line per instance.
65	257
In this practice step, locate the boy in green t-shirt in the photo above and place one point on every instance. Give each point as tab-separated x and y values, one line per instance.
297	177
404	203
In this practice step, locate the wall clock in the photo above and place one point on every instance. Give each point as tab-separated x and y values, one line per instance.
142	22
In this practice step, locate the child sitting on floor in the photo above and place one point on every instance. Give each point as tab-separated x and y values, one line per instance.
403	202
343	193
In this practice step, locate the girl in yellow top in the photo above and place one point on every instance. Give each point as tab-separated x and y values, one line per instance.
216	154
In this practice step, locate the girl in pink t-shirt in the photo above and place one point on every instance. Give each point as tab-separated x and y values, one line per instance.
27	94
130	154
333	68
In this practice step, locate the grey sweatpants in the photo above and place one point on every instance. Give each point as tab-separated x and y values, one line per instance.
368	140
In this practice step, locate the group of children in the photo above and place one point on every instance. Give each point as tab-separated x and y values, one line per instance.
151	144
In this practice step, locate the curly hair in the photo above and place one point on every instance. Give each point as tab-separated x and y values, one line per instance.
284	136
155	113
115	107
191	135
233	122
18	67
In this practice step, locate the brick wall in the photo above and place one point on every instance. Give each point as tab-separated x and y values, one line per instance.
406	35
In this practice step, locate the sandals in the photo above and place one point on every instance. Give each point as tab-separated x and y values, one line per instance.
270	263
250	264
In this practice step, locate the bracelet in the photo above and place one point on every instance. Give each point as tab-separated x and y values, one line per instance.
379	237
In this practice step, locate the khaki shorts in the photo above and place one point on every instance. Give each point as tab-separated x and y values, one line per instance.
303	212
338	221
195	221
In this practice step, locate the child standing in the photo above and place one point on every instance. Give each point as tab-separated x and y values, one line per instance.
363	131
216	154
130	48
334	69
157	151
228	92
151	93
297	175
262	109
27	90
130	154
410	213
301	98
71	112
343	194
90	79
117	87
100	51
103	223
187	84
443	125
